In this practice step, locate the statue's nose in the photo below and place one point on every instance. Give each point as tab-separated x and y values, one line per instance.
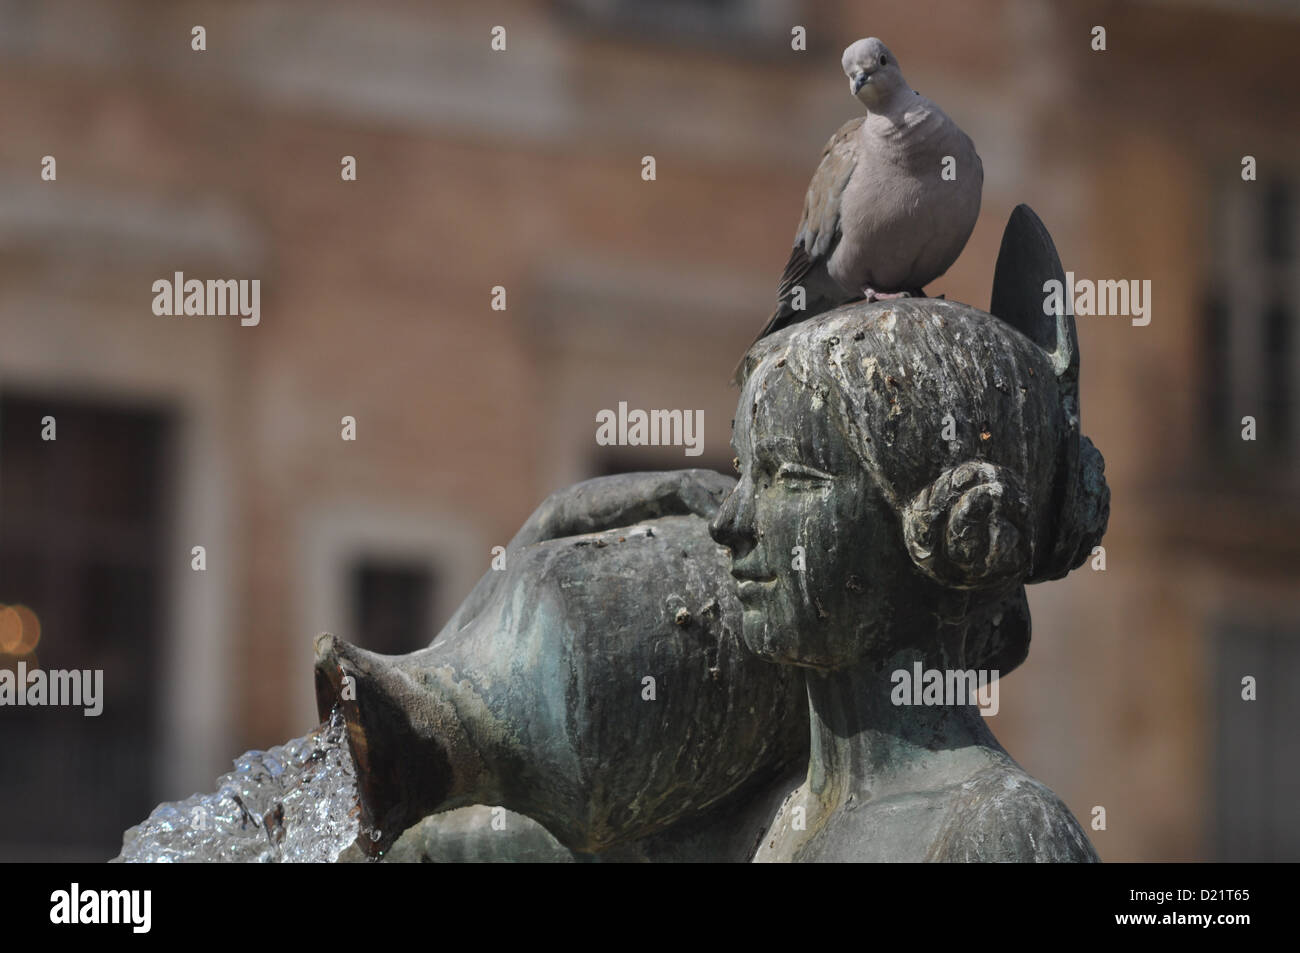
733	525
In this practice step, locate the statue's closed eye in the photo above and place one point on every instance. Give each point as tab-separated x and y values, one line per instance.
799	476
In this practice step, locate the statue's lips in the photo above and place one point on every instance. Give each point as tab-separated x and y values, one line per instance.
750	586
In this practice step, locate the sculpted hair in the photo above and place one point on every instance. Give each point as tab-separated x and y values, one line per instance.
959	419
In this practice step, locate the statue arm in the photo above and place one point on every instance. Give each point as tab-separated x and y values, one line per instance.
603	503
622	500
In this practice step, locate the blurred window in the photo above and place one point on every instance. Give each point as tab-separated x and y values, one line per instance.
392	605
1250	346
81	547
1257	756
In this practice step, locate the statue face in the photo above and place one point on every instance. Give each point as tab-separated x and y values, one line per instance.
805	499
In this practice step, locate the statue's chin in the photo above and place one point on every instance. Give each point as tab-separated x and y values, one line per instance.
762	640
780	644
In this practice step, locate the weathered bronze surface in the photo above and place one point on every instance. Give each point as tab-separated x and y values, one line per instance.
906	467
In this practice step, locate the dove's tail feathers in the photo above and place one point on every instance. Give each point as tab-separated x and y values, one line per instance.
780	318
801	295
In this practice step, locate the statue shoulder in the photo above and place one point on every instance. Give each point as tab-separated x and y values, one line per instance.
1002	814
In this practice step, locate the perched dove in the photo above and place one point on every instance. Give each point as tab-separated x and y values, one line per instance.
885	213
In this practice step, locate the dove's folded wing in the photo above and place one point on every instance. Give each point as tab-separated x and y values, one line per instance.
819	228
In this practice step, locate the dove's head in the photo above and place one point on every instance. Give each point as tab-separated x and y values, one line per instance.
873	72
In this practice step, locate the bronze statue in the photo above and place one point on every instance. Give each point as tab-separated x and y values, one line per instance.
903	531
905	467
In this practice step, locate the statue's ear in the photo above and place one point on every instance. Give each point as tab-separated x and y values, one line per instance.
1027	261
971	528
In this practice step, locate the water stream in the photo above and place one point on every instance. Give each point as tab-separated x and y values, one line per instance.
296	803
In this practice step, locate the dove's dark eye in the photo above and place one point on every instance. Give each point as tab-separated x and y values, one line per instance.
884	60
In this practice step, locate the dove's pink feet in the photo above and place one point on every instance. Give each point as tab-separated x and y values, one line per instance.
870	294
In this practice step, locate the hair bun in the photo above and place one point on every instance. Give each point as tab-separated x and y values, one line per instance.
971	527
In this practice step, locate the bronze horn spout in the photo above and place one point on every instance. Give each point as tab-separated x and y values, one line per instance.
412	753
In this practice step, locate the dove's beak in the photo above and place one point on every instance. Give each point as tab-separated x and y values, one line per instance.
858	80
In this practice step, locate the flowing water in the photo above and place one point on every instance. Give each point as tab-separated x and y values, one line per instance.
296	803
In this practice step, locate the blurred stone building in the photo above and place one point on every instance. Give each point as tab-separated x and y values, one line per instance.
522	169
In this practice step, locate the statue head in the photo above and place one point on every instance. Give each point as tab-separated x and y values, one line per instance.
921	461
